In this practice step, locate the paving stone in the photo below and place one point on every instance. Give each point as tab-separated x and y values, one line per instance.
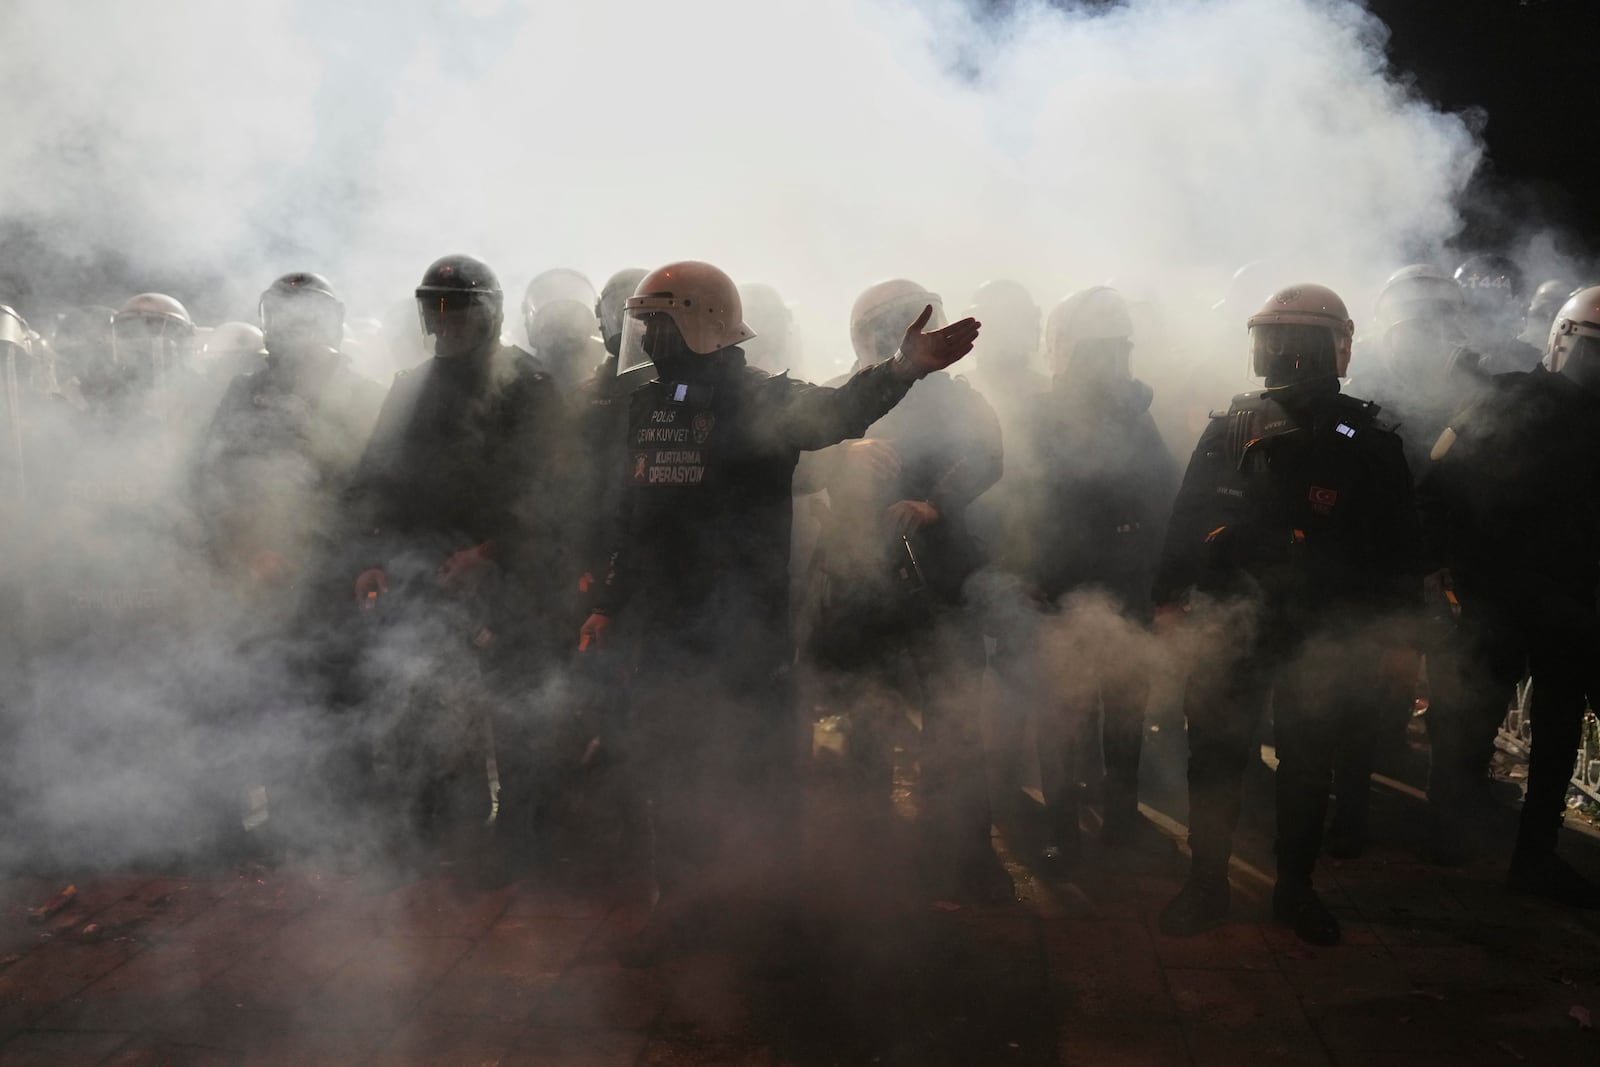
439	907
1233	1017
1126	1041
40	980
1105	970
61	1048
554	1047
531	900
383	984
1232	946
157	1052
602	997
435	1041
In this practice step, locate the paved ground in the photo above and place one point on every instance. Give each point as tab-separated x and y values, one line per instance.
299	965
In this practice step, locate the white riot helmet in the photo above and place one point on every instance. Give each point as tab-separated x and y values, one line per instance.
1010	324
1574	345
558	283
1302	334
881	314
1420	291
700	304
773	322
1091	324
233	339
150	334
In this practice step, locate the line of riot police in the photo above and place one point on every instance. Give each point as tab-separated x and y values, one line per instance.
269	584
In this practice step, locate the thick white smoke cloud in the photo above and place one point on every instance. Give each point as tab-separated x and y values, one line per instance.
815	146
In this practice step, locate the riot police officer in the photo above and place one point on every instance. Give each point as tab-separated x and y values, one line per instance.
1509	509
896	553
698	581
458	507
1497	299
1296	512
285	439
558	316
1088	487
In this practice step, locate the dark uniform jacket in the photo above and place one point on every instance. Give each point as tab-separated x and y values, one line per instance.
277	458
705	516
950	448
1303	500
470	450
1088	487
1512	501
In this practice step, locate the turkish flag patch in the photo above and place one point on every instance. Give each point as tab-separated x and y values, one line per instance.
1324	498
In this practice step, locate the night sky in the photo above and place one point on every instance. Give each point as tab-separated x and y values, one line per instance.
1533	67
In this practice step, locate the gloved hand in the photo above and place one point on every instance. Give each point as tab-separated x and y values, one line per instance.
593	632
906	517
874	457
923	353
1439	589
463	571
369	583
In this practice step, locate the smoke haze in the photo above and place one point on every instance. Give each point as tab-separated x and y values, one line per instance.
819	147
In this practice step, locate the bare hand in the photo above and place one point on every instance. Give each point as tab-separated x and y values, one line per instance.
923	353
873	456
369	584
593	632
906	517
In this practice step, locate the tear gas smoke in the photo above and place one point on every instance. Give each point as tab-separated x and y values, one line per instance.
820	146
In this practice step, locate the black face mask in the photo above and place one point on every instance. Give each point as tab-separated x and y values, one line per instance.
1288	354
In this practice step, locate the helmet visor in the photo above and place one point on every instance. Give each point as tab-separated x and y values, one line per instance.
458	320
1582	364
648	336
147	344
301	321
1285	353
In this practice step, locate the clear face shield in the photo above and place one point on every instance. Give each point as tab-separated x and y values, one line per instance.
1286	354
1582	364
1100	362
149	347
564	335
1420	348
458	321
302	323
649	336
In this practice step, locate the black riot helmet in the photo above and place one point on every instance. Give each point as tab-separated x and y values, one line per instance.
460	304
1495	290
301	315
609	307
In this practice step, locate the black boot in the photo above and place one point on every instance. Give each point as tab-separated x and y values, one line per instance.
1296	904
1553	878
1347	836
1202	904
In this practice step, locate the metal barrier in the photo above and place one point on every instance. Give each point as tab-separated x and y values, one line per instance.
1516	739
